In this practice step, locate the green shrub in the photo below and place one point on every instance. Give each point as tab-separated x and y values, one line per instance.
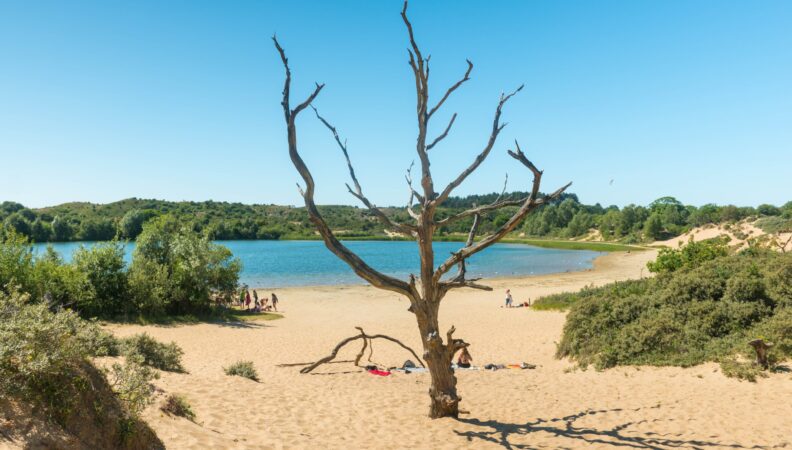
686	317
559	302
175	271
742	370
42	351
177	405
132	384
153	353
242	369
16	262
105	270
691	255
775	224
59	284
565	300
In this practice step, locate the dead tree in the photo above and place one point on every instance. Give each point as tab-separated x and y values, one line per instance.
761	347
430	286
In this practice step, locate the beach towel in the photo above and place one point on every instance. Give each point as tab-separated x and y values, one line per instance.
456	367
411	370
510	366
381	373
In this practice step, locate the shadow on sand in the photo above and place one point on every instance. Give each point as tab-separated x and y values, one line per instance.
504	434
240	324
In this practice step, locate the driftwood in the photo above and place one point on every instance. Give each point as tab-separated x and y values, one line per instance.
426	288
367	338
761	347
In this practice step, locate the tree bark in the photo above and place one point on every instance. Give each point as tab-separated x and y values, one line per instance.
761	347
444	401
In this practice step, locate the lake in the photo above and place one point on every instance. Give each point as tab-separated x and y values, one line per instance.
271	264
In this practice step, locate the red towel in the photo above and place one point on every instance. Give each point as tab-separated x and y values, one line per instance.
381	373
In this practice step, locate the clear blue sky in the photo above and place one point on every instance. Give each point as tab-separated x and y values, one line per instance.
179	100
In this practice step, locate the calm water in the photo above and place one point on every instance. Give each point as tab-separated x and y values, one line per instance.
309	263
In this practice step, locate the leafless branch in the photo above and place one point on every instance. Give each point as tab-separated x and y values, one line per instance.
477	210
528	205
413	194
453	88
460	277
360	267
470	239
422	95
358	191
496	129
445	133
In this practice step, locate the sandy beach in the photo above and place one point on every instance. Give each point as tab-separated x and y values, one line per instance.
552	406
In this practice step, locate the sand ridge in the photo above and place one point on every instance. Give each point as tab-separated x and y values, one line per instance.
552	406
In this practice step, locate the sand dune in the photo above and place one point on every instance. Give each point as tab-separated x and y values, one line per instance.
552	406
738	234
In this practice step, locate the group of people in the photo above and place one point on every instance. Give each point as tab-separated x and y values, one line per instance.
265	304
510	301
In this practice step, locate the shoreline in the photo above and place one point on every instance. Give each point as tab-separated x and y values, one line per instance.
602	266
559	244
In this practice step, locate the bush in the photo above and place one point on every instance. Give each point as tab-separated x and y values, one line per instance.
742	370
132	383
242	369
38	349
686	317
16	262
41	350
692	255
177	405
565	300
59	284
175	271
105	270
775	224
153	353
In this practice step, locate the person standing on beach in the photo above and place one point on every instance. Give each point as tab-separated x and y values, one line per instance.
509	299
247	300
242	296
274	302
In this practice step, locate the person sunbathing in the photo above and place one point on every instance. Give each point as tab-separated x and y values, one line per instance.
464	359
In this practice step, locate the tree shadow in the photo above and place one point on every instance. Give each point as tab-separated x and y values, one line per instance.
502	433
240	324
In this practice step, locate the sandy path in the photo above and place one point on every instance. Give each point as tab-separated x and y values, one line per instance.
549	407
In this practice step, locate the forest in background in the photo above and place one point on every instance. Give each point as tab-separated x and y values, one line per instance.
566	218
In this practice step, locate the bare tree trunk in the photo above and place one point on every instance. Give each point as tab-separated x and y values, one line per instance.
761	347
444	401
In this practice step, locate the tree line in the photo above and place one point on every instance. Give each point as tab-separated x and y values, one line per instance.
564	218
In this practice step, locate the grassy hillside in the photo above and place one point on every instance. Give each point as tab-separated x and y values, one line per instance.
561	220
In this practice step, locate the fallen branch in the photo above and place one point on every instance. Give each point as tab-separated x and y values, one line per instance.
309	363
367	338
